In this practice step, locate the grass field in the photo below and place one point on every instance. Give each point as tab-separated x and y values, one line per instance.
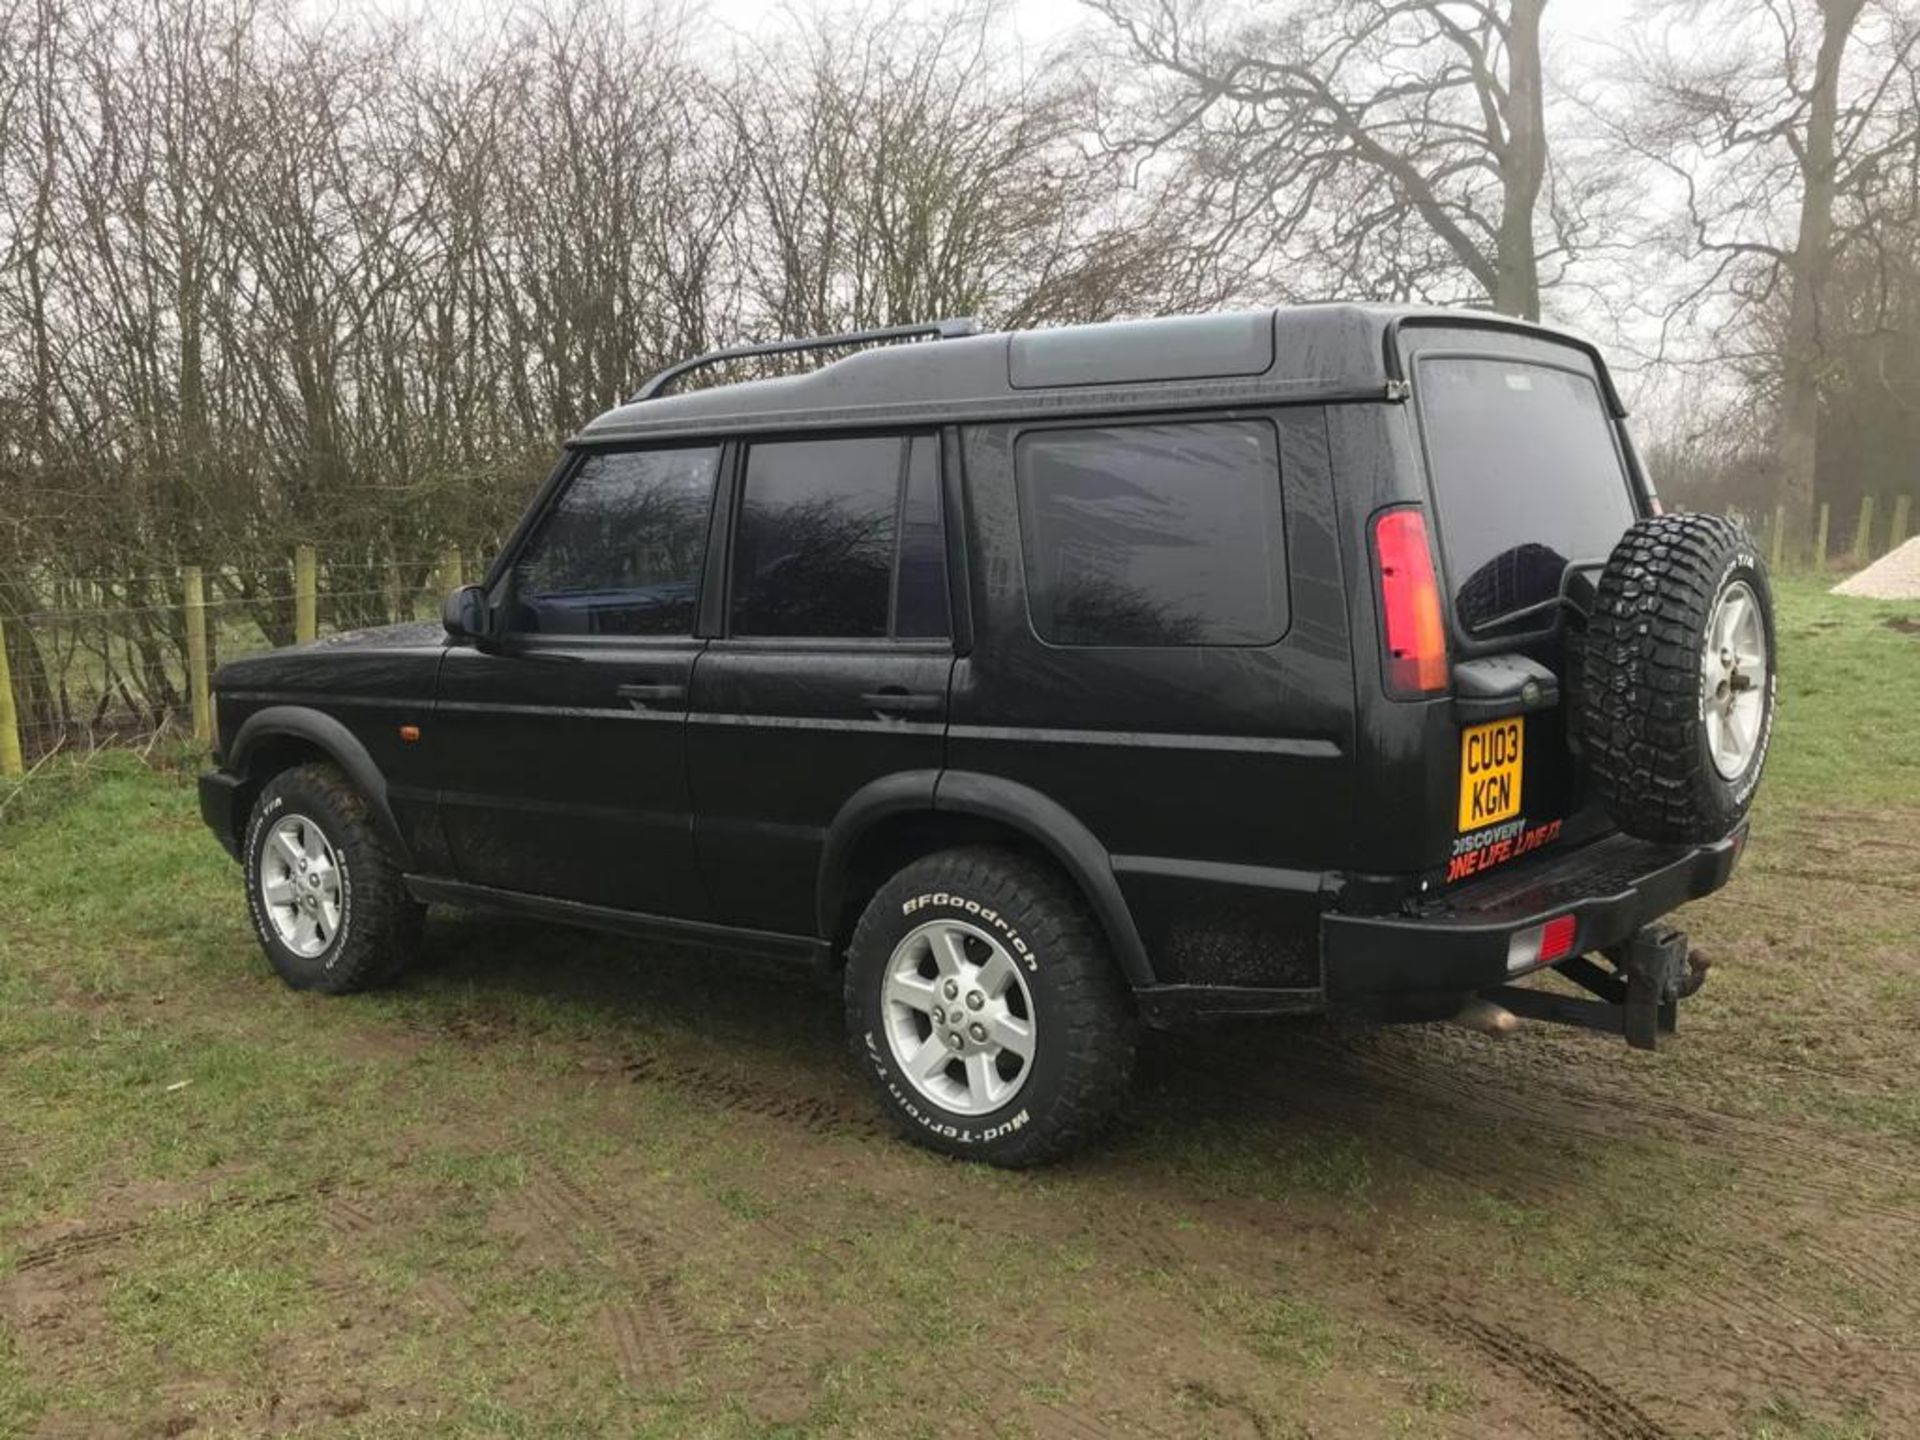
554	1184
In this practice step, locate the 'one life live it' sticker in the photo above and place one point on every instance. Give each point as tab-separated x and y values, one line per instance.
1484	849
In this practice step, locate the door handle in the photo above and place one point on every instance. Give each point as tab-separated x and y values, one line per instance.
903	702
641	696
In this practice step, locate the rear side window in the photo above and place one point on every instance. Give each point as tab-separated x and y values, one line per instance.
841	539
1526	477
1154	534
620	551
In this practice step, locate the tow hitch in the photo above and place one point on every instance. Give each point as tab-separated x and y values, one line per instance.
1653	971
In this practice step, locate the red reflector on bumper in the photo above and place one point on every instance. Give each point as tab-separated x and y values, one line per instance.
1556	939
1542	944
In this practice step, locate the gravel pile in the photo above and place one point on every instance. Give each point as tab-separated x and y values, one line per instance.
1894	576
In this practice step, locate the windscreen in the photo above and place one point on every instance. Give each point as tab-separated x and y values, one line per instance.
1526	477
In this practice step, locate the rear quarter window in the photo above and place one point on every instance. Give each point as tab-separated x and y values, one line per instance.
1145	535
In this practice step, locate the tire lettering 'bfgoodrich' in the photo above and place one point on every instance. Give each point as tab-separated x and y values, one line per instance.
976	911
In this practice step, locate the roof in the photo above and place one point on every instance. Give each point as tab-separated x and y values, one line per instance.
1300	353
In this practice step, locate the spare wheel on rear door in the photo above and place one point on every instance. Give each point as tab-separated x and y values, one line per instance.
1678	699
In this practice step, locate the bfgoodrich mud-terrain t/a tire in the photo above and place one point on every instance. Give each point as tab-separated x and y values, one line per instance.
1679	681
325	895
982	999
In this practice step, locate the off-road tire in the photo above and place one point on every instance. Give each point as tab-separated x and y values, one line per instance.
380	924
1084	1027
1643	698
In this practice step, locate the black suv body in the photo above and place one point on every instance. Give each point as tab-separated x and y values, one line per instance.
1247	652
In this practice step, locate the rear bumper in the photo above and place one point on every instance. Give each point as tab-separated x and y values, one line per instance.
1611	888
220	808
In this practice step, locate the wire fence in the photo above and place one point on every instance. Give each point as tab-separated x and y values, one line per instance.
1882	524
92	660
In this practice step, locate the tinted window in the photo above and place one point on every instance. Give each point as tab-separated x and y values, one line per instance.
1525	476
620	552
1154	534
814	544
920	611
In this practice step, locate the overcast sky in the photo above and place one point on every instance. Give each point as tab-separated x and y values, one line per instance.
1580	40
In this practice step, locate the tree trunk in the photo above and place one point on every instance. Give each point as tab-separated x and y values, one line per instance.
1811	266
1523	164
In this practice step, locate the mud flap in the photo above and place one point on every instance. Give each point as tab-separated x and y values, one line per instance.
1639	998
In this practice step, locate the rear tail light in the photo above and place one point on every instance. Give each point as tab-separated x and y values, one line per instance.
1542	944
1410	619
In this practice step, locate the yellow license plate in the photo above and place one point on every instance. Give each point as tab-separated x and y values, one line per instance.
1490	758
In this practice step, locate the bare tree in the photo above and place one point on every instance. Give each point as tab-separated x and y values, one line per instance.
902	167
1775	138
1394	148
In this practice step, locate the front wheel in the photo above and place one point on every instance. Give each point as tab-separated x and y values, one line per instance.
326	897
984	1002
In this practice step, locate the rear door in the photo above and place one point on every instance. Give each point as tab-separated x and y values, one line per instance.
563	747
1530	484
1160	648
832	665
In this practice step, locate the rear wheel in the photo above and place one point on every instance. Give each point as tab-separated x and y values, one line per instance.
326	896
983	1000
1679	685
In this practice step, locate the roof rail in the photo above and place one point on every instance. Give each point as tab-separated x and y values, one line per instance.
942	329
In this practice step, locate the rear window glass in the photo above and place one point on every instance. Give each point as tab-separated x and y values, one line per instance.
1526	478
1154	534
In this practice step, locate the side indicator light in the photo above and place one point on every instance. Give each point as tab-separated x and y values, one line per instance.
409	733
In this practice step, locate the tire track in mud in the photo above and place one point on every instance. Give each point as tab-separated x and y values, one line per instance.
1603	1411
1797	1186
79	1244
651	1337
1785	1171
816	1114
1598	1407
345	1216
1422	1107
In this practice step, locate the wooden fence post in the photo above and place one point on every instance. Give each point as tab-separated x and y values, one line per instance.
1820	539
198	685
393	594
1863	532
11	763
1898	530
451	572
306	596
1779	536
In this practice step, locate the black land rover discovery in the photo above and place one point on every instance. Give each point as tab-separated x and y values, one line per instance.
1321	659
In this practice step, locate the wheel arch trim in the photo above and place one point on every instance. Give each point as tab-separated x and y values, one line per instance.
1065	837
1020	808
339	744
904	793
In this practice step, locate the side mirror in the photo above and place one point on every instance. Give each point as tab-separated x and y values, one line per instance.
467	615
